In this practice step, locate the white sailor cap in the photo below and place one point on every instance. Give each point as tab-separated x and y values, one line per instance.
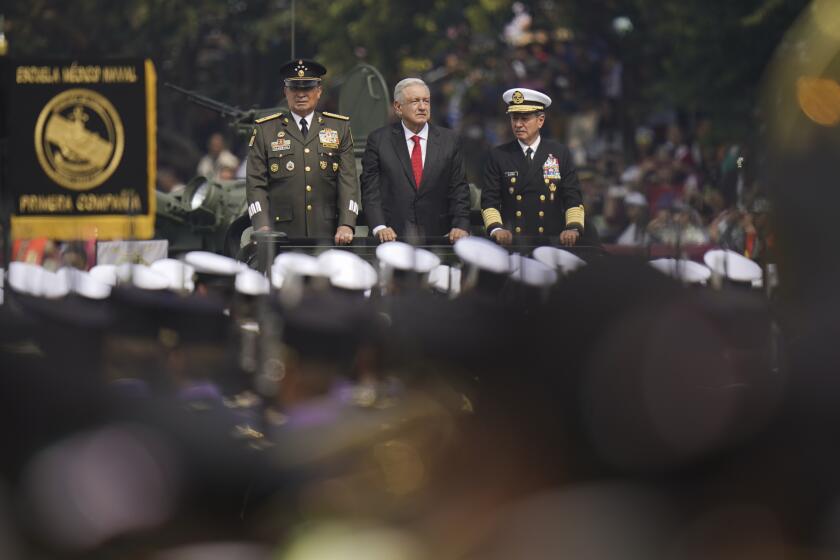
732	265
446	279
298	264
82	283
141	276
34	280
249	282
483	254
105	273
523	100
180	274
206	262
402	256
532	272
684	270
560	259
347	270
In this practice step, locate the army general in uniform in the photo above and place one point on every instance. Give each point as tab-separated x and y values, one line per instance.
530	186
301	171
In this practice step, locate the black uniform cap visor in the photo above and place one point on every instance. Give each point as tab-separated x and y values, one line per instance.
302	83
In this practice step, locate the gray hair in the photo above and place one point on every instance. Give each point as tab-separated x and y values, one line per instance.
404	83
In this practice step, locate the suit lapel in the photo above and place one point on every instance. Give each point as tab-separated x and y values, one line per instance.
292	128
430	167
400	147
518	158
317	124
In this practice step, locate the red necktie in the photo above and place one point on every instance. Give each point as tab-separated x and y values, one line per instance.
417	160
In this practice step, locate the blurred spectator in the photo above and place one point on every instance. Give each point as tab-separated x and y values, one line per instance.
636	208
217	157
169	182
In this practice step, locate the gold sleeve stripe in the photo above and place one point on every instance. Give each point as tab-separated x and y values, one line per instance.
525	108
575	216
333	115
491	216
267	118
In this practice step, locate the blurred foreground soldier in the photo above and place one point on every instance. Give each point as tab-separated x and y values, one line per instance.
413	178
301	177
530	185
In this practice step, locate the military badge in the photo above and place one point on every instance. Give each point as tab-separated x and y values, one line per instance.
335	167
329	138
275	167
323	164
290	166
511	190
281	145
551	168
281	134
518	98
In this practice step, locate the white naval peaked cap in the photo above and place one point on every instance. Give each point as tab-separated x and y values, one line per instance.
532	272
298	264
251	283
105	273
524	100
402	256
483	254
732	265
23	276
82	283
358	276
141	276
206	262
684	270
179	274
446	279
333	260
560	259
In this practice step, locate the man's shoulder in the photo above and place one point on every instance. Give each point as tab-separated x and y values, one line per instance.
270	118
554	146
335	116
506	149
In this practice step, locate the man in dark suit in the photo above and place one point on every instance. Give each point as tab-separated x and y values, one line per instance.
530	186
413	179
301	173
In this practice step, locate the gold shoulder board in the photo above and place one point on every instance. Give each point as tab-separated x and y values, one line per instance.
268	118
333	115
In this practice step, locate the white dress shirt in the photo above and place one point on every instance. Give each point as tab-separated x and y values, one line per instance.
424	136
308	118
533	146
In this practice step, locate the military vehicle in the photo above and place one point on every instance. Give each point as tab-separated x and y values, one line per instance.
212	214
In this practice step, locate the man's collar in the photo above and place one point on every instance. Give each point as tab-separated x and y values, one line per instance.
524	147
297	117
424	132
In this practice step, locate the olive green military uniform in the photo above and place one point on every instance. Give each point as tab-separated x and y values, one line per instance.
302	187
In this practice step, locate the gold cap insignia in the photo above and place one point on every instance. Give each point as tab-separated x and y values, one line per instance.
300	73
518	98
275	168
